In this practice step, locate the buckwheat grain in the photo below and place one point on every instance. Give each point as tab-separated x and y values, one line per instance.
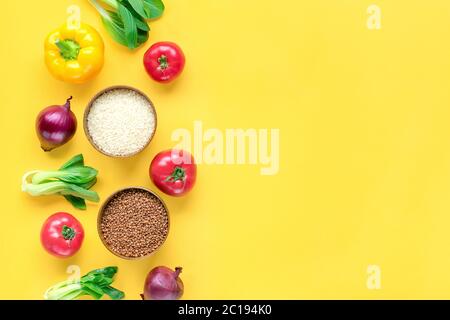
134	223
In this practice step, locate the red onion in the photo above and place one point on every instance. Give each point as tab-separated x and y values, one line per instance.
163	283
55	126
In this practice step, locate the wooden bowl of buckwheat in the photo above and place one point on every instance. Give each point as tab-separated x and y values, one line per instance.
133	223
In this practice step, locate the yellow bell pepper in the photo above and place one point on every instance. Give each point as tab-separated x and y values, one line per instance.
74	55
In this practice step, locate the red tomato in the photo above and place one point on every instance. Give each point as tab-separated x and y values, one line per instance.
164	61
62	235
174	172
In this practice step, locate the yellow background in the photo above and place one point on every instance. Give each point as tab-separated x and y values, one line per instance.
365	148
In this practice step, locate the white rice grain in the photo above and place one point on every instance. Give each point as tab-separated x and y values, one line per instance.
121	122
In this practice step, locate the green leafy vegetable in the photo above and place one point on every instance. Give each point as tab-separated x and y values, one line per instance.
154	8
115	28
96	284
142	36
125	20
139	7
76	175
129	26
142	25
73	181
77	161
78	203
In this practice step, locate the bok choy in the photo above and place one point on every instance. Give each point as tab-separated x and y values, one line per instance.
73	181
126	20
96	284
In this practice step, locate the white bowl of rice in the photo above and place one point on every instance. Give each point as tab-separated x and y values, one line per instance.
120	121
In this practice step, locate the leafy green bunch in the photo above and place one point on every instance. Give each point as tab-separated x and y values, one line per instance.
126	20
96	284
73	181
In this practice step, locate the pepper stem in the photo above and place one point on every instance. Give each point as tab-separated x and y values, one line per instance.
68	233
163	63
178	174
68	49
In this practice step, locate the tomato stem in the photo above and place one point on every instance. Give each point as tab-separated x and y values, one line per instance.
163	63
68	233
178	174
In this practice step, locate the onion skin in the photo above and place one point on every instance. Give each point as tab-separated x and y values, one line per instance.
55	126
163	283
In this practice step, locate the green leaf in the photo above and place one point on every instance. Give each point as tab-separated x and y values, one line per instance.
113	293
88	291
84	174
115	18
138	6
142	37
107	271
59	187
89	184
76	175
78	203
98	278
94	287
129	26
95	284
114	22
77	161
141	25
101	280
74	190
111	22
115	29
154	8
